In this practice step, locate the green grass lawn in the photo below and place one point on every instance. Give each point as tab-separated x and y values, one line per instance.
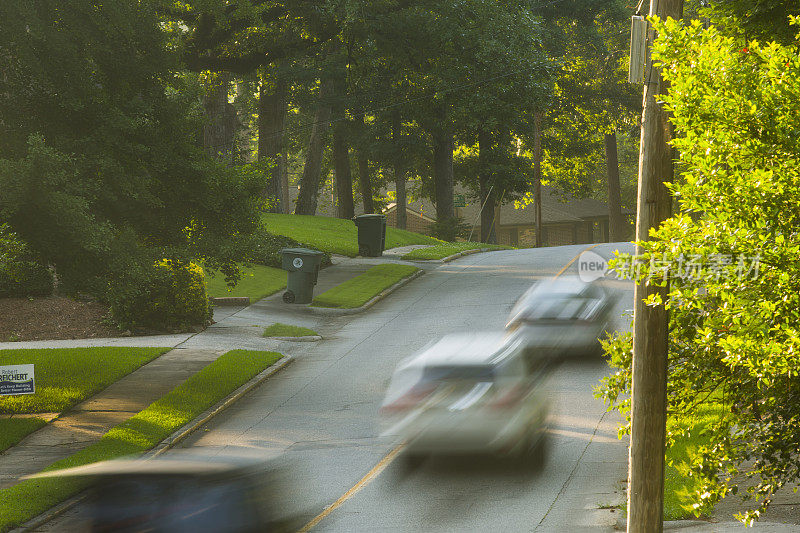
359	290
139	433
677	486
334	235
13	430
66	376
286	330
447	249
257	282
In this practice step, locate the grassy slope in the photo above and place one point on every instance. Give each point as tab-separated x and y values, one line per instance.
334	235
66	376
359	290
447	249
141	432
257	282
286	330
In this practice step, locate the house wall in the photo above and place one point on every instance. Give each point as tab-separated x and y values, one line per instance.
524	236
414	222
553	234
562	234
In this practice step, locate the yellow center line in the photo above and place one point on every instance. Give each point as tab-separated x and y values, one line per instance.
389	457
576	258
372	474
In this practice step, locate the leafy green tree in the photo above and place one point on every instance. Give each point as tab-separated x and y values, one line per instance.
592	97
764	20
733	247
517	83
99	164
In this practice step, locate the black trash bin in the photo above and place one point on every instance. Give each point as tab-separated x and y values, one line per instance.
371	234
302	266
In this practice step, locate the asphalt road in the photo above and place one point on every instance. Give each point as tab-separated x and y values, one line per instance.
320	415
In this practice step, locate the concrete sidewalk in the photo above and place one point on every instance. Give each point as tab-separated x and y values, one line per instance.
84	424
240	326
235	328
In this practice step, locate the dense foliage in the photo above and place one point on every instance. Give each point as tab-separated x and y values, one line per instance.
732	251
764	20
99	163
429	92
21	272
165	296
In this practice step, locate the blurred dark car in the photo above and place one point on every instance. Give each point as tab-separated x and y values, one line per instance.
562	317
469	393
179	493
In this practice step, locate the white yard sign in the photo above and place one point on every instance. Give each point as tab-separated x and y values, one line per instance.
16	379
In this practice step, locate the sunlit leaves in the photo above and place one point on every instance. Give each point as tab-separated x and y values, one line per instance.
734	338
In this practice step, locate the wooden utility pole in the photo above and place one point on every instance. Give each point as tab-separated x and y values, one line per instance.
649	389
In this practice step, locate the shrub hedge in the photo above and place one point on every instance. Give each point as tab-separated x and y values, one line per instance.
168	295
21	272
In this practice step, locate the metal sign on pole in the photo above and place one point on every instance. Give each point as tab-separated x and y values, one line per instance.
638	59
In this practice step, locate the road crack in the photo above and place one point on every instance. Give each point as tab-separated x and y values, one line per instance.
572	473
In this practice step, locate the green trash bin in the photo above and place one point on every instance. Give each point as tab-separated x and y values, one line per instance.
371	234
302	266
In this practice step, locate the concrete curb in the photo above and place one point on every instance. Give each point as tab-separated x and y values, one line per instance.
305	338
333	311
230	300
452	257
462	254
223	404
710	526
167	443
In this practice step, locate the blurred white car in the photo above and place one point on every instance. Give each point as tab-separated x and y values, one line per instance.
562	317
469	393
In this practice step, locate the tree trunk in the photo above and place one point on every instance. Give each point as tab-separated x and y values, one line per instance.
364	178
310	181
287	204
401	201
271	123
616	221
537	177
219	130
650	328
341	170
443	174
365	182
488	194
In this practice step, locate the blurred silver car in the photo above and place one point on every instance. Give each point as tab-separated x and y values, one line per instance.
562	317
469	393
